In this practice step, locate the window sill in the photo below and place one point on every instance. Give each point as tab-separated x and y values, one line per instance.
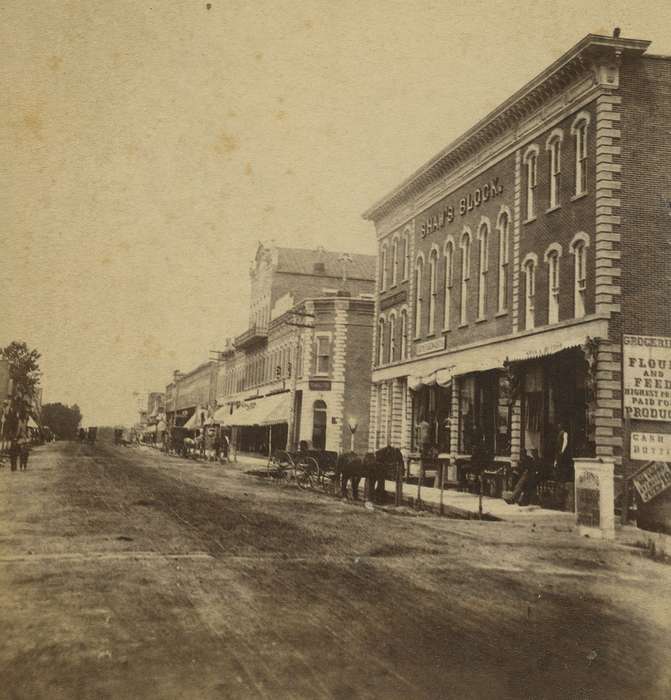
446	330
551	209
499	314
430	335
463	325
578	196
481	319
529	221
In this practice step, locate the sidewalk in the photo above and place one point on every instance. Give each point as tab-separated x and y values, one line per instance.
460	504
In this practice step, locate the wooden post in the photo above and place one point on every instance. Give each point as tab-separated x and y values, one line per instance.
442	485
419	482
624	516
270	441
399	484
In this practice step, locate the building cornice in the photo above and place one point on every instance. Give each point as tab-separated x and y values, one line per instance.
582	59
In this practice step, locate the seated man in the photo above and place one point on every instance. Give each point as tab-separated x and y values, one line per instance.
525	488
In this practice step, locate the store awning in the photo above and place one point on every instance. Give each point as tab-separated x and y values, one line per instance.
440	369
223	415
196	420
32	423
265	411
276	409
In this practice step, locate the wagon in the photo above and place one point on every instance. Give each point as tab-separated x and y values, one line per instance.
308	468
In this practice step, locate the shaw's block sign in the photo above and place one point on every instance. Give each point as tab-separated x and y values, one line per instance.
646	372
653	480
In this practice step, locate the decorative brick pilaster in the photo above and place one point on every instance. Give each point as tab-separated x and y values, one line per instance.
373	423
608	249
411	292
454	416
398	418
608	432
406	442
517	213
337	400
516	432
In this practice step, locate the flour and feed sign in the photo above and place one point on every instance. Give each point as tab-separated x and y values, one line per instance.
646	373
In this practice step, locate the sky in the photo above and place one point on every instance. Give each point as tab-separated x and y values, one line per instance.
147	147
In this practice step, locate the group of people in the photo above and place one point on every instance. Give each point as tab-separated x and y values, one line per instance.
209	444
19	447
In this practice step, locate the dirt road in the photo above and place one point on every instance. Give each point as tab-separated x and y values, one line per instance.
128	574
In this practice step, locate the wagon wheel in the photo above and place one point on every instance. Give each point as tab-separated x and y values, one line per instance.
327	478
307	472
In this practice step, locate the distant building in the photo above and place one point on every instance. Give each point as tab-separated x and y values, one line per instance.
301	370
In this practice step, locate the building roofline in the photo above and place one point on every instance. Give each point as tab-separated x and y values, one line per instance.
584	49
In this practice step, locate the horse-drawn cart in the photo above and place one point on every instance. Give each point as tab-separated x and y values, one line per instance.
308	468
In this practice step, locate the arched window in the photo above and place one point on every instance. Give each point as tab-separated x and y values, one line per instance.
483	268
531	163
579	131
394	262
380	342
552	255
433	272
392	337
553	146
406	255
465	276
419	281
504	259
383	267
579	251
529	268
319	425
449	279
404	334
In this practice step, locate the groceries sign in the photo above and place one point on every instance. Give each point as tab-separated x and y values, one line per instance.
647	377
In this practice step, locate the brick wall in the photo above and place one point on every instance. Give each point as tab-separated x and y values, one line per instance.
357	376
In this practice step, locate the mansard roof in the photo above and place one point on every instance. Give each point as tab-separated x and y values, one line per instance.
574	63
302	261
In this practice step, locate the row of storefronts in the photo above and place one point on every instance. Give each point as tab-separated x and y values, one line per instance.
300	373
490	331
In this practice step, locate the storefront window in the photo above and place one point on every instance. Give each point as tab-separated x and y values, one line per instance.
485	406
431	419
555	395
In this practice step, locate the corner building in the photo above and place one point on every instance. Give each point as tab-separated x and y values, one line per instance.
301	371
513	265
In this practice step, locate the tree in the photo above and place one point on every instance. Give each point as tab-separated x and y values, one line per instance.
24	372
63	420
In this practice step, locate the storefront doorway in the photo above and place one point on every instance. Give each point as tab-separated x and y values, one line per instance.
432	407
554	395
484	405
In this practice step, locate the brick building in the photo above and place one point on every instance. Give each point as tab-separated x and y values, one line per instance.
514	264
190	392
301	371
